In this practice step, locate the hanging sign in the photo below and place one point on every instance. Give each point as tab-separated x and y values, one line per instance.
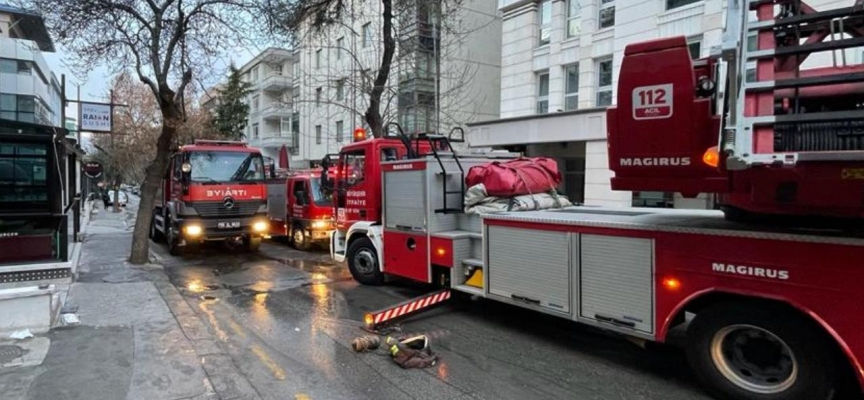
93	169
95	117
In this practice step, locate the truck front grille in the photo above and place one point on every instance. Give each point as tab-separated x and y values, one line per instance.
217	208
819	136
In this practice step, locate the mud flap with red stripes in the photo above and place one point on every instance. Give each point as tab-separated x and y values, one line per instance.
375	319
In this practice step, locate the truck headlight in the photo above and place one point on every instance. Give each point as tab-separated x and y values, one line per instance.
260	226
321	224
193	230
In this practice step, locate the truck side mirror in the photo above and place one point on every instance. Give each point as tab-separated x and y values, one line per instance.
326	184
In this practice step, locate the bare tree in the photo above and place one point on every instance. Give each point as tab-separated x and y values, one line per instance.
166	43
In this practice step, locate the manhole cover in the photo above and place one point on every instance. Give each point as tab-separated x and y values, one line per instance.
8	353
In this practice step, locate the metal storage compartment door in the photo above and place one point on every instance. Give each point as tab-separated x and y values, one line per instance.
529	266
616	284
405	199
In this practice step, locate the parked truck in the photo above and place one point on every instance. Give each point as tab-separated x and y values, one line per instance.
299	209
212	191
768	310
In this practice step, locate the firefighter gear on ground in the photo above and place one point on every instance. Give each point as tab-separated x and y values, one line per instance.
413	352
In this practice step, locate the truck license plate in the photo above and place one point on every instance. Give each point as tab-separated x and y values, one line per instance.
228	225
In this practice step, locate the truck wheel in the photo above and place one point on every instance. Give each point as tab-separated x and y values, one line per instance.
252	243
760	354
173	240
155	235
300	238
363	262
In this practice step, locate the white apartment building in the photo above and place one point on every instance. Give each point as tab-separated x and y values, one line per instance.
29	91
271	119
336	68
559	70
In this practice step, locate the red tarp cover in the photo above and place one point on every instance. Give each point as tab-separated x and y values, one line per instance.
516	177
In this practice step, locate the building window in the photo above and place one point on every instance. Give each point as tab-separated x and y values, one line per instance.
367	35
19	108
318	58
295	133
317	134
752	45
284	127
256	101
340	133
25	183
255	74
340	90
604	82
571	87
318	93
8	66
670	4
607	13
543	93
11	66
574	11
340	44
695	47
545	22
254	131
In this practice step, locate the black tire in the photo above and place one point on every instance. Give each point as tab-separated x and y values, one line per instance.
725	343
155	234
252	244
299	239
363	262
172	239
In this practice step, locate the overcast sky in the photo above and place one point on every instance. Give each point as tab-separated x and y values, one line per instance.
94	87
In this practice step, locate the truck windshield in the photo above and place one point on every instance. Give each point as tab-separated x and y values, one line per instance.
226	166
318	196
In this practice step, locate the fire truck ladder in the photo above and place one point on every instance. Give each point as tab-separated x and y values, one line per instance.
441	142
769	112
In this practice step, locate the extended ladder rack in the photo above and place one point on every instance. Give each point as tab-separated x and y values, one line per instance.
788	114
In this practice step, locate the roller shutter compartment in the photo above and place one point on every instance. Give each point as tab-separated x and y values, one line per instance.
530	267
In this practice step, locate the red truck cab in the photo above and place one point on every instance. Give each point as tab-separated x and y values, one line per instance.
357	187
300	209
213	190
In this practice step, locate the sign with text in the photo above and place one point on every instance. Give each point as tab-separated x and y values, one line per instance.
652	102
95	117
93	169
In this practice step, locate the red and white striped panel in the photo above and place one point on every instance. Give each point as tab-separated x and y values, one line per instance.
410	307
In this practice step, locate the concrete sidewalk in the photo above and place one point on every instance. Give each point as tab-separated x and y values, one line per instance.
137	337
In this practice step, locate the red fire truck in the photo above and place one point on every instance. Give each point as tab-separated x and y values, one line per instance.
213	190
299	209
768	310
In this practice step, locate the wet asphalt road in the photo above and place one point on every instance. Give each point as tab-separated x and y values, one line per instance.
287	317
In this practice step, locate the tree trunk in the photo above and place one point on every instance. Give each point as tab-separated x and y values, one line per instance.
152	180
373	113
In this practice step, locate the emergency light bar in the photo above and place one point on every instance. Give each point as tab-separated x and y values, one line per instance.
220	142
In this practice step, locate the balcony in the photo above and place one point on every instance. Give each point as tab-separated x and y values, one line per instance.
276	83
275	111
274	141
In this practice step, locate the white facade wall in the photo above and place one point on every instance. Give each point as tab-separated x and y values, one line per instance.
270	110
470	60
524	58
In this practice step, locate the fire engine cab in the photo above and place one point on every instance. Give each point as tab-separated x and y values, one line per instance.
300	209
769	311
213	190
